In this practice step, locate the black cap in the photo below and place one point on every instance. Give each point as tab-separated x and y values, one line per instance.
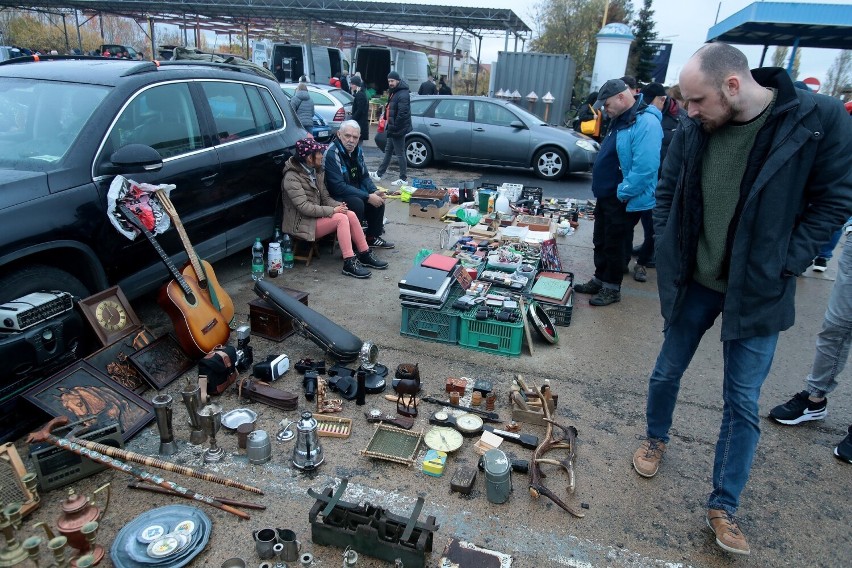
355	80
609	89
393	75
652	91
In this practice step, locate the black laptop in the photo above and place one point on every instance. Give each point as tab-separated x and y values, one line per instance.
424	280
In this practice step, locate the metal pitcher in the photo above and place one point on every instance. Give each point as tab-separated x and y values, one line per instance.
307	454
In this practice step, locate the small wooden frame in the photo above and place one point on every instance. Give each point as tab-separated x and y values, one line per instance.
333	426
110	315
393	444
161	361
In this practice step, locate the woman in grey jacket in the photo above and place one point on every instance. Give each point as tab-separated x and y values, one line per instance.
304	107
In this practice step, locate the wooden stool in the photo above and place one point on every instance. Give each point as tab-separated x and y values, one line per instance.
308	250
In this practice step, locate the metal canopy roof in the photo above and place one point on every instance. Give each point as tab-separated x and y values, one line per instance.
224	14
788	23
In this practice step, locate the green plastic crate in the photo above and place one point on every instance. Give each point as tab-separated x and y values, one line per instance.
441	326
491	336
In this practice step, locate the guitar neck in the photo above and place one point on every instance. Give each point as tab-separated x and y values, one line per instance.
184	238
132	218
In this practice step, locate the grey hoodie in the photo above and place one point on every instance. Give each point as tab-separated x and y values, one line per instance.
304	108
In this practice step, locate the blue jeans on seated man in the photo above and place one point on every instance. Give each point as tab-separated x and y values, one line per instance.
746	365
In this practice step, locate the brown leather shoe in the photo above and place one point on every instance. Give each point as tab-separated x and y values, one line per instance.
728	534
646	460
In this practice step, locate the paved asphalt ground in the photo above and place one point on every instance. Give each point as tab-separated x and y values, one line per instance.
795	511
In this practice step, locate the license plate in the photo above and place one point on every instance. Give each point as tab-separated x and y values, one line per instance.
321	133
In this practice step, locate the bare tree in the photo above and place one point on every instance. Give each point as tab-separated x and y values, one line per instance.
839	75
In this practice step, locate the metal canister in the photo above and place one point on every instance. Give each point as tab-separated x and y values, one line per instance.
498	476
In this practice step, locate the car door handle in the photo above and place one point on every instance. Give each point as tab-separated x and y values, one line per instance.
435	124
479	130
278	158
208	180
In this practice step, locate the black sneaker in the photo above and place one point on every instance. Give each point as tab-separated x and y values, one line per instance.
799	409
843	451
639	273
353	268
590	287
605	297
367	259
820	264
380	243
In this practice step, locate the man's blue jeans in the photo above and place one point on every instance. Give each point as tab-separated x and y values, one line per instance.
746	361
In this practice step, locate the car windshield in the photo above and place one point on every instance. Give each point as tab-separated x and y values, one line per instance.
341	96
526	115
40	120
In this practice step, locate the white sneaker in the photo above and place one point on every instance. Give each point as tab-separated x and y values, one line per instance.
400	182
375	176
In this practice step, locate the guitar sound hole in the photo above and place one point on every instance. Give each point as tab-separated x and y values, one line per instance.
191	300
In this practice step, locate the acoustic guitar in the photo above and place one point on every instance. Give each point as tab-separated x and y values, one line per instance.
199	326
198	268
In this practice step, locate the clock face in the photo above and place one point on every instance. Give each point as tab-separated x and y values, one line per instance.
111	315
468	423
443	439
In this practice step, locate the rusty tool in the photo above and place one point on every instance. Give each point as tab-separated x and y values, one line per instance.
164	491
161	464
44	435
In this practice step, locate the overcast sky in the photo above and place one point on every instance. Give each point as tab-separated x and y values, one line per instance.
682	22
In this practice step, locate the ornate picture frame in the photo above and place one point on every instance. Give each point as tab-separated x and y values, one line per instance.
161	361
114	361
110	314
81	390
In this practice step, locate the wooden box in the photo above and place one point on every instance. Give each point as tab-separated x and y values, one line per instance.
269	323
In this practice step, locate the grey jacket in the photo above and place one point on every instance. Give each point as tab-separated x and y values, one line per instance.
304	107
796	190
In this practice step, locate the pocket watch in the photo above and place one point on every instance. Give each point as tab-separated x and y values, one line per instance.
443	439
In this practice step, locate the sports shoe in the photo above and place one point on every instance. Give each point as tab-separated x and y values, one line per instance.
799	409
843	451
375	176
820	264
590	287
380	243
367	259
728	533
353	268
605	297
639	273
400	181
646	460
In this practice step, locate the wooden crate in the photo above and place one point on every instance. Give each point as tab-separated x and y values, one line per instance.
269	323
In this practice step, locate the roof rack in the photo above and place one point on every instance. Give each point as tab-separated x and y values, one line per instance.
38	58
246	67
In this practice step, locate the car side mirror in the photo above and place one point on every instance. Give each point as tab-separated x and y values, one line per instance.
517	124
134	159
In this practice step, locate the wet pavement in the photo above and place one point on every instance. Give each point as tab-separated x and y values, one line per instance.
795	511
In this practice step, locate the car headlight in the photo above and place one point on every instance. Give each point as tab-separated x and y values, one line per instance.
587	145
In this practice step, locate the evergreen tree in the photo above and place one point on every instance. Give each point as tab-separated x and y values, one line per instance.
641	60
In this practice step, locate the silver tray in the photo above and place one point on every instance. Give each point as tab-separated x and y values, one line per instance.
232	420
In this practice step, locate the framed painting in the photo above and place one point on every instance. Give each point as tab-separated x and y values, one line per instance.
114	362
161	361
80	390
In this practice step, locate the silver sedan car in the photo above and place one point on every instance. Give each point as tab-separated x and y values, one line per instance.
492	132
334	105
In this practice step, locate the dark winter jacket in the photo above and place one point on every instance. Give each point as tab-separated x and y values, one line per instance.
399	111
673	115
340	169
361	113
304	201
797	189
304	107
427	88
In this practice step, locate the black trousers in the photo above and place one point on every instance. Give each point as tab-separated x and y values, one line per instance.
646	252
612	223
375	216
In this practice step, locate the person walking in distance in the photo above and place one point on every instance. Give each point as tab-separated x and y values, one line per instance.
428	87
623	181
398	117
832	352
751	187
360	107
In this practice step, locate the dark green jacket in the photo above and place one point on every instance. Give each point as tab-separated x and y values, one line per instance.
796	190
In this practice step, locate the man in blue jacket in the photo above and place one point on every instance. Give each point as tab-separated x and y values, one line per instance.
348	180
751	187
623	180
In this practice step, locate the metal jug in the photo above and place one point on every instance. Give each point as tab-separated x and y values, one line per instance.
307	454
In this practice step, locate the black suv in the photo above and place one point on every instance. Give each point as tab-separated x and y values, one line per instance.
221	133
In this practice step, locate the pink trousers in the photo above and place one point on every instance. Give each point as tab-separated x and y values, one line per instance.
348	229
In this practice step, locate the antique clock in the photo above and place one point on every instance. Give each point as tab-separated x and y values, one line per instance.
110	315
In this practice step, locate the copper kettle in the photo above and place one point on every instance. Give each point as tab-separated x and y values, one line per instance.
77	510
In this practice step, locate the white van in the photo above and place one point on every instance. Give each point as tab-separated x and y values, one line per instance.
289	61
374	62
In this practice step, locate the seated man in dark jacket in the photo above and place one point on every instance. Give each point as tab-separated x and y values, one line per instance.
347	180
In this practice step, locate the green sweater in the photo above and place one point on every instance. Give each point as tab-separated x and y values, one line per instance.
722	169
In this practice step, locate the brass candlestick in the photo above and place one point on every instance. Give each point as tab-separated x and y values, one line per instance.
95	551
13	553
57	547
33	547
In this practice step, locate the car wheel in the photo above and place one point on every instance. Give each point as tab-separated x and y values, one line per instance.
36	278
550	163
418	153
